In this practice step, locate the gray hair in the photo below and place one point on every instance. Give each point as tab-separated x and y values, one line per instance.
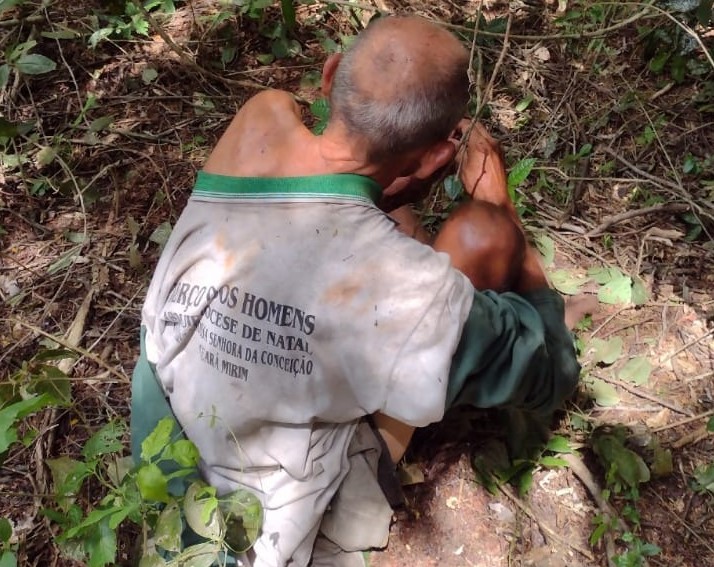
421	113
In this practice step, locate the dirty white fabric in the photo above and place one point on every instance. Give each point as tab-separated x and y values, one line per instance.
281	312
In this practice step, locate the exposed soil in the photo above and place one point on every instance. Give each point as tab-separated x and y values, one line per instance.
78	248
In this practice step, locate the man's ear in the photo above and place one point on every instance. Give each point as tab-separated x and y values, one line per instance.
432	160
328	72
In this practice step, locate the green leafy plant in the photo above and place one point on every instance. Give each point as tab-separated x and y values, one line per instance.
20	60
162	494
625	471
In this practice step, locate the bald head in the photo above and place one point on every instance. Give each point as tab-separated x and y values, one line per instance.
402	85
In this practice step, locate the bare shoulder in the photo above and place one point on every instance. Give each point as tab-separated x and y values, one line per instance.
272	101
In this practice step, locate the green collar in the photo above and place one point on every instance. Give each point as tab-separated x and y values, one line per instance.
340	187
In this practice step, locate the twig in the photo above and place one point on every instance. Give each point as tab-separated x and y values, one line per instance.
583	35
627	215
188	60
668	508
584	475
686	347
644	395
497	66
547	530
686	421
16	22
66	344
638	171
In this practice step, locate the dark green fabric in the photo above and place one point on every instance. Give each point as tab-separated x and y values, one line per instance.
149	406
515	351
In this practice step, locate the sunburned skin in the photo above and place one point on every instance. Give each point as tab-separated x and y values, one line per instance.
484	239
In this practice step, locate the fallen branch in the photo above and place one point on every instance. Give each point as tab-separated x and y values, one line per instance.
687	421
547	530
644	395
627	215
583	474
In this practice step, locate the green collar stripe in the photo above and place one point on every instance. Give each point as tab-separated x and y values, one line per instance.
344	186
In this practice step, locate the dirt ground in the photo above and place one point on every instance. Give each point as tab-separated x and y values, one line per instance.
79	241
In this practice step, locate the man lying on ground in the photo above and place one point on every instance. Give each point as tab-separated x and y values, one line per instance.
291	325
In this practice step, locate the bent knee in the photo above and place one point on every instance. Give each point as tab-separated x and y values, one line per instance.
485	243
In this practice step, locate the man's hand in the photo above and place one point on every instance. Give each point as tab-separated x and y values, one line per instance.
482	170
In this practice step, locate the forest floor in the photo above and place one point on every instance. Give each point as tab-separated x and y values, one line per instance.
606	113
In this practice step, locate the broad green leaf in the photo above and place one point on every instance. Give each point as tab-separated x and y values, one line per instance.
265	58
710	424
35	64
603	275
546	247
51	381
520	172
152	559
183	451
8	559
119	468
525	482
45	156
608	351
101	123
658	62
153	484
157	439
107	440
120	515
637	370
161	234
320	109
60	34
552	462
64	261
704	478
288	9
603	393
168	528
559	444
99	35
243	516
453	187
704	12
68	475
311	79
639	292
102	546
566	282
524	103
10	414
4	75
625	464
284	47
93	519
7	4
616	291
199	555
662	464
12	129
202	513
5	530
149	74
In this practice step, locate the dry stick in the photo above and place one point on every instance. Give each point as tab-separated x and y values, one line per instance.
668	507
547	530
627	215
16	22
653	178
66	344
644	395
188	60
686	347
588	480
686	421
